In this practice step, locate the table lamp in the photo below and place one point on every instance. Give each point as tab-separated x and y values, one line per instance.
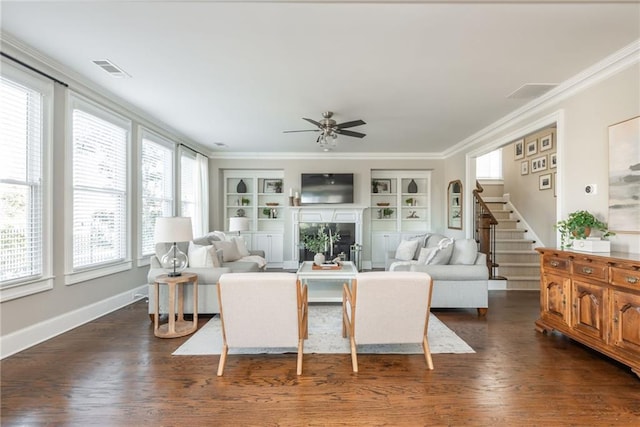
173	230
239	223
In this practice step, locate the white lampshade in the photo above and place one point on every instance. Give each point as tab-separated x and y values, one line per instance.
239	223
173	229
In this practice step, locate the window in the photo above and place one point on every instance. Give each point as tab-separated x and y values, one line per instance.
156	181
25	260
489	166
194	190
100	141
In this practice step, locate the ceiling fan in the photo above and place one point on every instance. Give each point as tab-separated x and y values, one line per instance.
329	130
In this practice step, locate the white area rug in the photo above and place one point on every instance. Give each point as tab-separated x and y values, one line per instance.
325	336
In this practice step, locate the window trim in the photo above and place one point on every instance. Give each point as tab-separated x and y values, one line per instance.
145	133
73	276
44	282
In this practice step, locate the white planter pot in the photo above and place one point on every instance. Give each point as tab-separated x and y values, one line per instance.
318	259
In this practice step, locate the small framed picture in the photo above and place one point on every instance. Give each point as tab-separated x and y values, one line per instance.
381	186
532	147
553	160
544	182
539	164
518	149
546	142
272	186
555	184
524	167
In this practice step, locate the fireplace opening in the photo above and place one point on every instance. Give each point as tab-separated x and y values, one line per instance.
340	248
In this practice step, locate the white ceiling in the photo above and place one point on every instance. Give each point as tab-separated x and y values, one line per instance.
423	75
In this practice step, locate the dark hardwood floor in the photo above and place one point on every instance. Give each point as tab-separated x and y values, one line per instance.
113	371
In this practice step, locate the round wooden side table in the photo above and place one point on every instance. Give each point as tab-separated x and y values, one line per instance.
176	327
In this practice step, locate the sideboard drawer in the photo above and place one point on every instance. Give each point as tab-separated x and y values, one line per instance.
592	270
556	264
626	277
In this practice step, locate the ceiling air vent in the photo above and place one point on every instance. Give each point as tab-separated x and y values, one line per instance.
111	68
531	90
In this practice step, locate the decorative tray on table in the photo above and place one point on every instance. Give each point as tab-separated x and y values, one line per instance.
327	266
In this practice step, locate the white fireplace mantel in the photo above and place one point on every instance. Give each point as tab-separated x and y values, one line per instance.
322	214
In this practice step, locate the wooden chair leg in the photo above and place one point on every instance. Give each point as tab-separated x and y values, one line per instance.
354	355
300	353
427	353
223	359
482	312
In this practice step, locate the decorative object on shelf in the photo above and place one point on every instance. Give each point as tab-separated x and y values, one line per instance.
318	258
245	201
454	205
270	213
382	186
173	230
387	212
579	225
374	186
290	200
413	187
413	215
272	186
410	201
238	223
272	204
382	203
241	187
240	212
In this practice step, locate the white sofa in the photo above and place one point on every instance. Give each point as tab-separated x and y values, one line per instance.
460	277
208	275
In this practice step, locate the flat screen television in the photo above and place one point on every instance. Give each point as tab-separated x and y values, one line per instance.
321	188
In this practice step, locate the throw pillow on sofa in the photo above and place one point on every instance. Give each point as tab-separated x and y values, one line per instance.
241	245
426	255
443	252
202	256
229	251
465	252
407	250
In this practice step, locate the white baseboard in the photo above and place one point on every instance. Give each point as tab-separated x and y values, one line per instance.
497	285
40	332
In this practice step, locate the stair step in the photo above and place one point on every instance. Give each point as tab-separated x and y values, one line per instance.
507	224
523	283
514	270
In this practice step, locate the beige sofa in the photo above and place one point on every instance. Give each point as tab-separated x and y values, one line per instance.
207	275
460	274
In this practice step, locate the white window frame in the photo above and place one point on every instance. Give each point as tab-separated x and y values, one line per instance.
146	134
497	153
191	155
73	276
43	282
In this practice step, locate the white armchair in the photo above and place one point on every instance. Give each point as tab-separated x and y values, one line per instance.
387	308
247	314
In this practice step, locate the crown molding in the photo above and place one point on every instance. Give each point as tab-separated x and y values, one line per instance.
612	64
325	155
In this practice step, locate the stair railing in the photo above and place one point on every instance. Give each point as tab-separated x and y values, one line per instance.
485	229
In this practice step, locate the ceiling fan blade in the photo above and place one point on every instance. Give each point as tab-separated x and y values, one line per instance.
350	133
306	130
350	124
313	122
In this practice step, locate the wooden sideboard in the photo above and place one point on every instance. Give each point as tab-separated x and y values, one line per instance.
593	298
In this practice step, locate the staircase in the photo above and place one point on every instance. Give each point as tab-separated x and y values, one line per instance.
517	261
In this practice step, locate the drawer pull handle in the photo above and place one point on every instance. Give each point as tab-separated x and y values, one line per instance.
587	270
632	280
554	263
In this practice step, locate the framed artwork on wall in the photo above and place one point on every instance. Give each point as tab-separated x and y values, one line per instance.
272	186
553	160
624	176
546	142
539	164
518	149
524	167
544	182
382	186
532	147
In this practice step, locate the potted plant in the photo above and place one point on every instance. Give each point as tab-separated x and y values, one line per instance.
579	225
245	201
319	243
409	201
267	212
387	212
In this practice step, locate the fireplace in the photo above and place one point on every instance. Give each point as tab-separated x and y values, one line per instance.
346	220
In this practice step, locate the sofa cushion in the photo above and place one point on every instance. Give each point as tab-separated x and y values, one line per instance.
229	251
451	273
203	256
443	252
426	254
433	240
407	249
465	252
